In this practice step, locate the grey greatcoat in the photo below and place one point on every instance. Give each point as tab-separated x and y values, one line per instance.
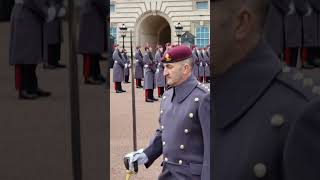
92	30
207	63
275	25
293	24
183	136
160	79
315	4
118	66
310	28
202	64
139	65
149	71
53	29
26	38
271	129
196	63
127	63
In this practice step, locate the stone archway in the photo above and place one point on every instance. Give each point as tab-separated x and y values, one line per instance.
153	29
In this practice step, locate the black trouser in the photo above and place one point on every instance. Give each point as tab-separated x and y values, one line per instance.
91	66
149	94
54	53
312	54
118	86
126	78
160	91
138	83
26	77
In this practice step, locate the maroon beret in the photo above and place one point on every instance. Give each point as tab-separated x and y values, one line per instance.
176	54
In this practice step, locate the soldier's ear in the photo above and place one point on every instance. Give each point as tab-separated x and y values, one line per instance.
243	24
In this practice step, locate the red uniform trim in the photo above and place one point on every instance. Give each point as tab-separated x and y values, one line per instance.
18	77
287	56
86	66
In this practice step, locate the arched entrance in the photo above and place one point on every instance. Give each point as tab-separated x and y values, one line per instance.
153	29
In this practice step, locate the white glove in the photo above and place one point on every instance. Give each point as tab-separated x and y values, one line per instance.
129	65
292	9
206	65
157	70
115	61
51	14
62	12
126	65
138	156
200	63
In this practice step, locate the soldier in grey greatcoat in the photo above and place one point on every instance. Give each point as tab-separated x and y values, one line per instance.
183	136
138	67
26	49
293	30
92	38
266	115
196	61
206	64
118	70
310	36
315	4
53	33
160	79
202	64
149	71
127	66
275	25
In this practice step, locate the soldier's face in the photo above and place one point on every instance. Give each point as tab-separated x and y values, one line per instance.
173	73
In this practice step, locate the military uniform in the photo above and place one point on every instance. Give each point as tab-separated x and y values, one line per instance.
149	80
315	4
201	66
275	25
118	70
92	38
126	67
160	79
196	63
183	137
138	67
206	64
293	30
53	33
268	128
26	50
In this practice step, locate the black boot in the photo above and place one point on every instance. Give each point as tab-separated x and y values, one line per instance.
23	94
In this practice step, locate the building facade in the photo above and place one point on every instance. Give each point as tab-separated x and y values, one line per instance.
154	21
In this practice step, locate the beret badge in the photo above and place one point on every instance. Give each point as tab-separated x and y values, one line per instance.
167	57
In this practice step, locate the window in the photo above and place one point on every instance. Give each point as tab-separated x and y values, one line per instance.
112	8
202	5
202	36
113	33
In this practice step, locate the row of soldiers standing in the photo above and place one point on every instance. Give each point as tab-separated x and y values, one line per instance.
150	69
36	37
293	31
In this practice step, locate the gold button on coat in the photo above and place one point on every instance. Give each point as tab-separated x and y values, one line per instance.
277	120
